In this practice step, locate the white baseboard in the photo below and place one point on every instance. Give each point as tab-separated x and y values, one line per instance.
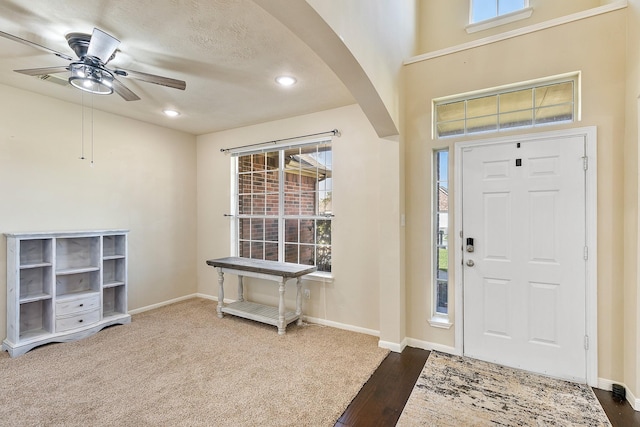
162	304
605	384
395	347
344	326
426	345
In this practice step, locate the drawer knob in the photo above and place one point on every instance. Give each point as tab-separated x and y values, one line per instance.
80	320
81	305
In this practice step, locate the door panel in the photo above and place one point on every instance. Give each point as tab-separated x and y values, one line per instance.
524	295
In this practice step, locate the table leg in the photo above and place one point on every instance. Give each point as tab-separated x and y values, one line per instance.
240	289
220	292
299	301
282	327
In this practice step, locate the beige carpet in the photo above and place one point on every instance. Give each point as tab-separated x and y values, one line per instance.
459	391
181	365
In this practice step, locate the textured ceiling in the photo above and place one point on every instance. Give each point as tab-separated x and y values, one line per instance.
228	51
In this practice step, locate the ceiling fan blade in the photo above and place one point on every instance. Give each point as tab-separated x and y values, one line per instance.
42	71
102	45
36	45
124	91
152	78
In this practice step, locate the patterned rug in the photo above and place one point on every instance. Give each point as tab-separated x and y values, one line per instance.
459	391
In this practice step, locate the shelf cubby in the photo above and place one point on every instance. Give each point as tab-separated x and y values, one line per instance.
77	253
35	283
114	301
35	253
35	319
114	247
113	272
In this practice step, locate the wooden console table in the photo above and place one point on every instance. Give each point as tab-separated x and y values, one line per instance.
279	272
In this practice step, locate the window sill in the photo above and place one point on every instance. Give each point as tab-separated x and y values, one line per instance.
319	276
499	20
440	322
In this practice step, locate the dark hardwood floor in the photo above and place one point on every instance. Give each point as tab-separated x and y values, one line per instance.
382	398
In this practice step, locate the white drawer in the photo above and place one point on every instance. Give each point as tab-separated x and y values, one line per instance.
77	321
77	305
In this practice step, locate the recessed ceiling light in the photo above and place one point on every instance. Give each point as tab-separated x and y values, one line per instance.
286	80
171	113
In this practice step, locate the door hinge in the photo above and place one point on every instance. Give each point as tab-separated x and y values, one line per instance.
586	342
585	254
585	163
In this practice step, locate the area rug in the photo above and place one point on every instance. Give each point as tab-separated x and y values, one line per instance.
180	365
459	391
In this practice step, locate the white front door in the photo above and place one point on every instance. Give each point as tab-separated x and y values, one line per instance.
525	275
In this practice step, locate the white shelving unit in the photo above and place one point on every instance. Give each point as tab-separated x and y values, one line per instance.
64	286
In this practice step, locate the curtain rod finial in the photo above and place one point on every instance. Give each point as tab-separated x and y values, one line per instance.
337	133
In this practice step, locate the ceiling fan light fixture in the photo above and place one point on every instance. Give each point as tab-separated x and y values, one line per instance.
91	79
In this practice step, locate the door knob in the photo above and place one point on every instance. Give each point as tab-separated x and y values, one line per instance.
470	263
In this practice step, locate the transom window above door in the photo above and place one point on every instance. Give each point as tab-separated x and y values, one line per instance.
543	102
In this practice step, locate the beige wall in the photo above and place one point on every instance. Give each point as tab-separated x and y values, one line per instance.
595	46
352	298
631	243
442	22
143	180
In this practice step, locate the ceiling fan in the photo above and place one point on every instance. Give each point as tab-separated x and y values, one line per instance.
89	71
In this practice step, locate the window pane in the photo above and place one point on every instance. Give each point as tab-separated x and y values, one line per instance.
482	124
291	253
323	232
258	204
308	202
271	230
307	255
307	232
323	258
257	229
292	203
483	10
291	230
324	202
450	128
554	94
508	6
244	205
245	249
557	113
271	251
244	228
516	101
442	299
480	107
450	112
441	230
518	119
257	250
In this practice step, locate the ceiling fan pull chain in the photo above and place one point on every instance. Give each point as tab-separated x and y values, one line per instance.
82	128
91	130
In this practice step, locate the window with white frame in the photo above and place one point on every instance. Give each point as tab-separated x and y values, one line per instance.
282	204
441	234
548	101
483	10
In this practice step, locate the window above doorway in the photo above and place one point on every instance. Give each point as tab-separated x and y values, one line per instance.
485	14
541	102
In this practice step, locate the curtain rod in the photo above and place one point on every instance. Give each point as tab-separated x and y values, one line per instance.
334	132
